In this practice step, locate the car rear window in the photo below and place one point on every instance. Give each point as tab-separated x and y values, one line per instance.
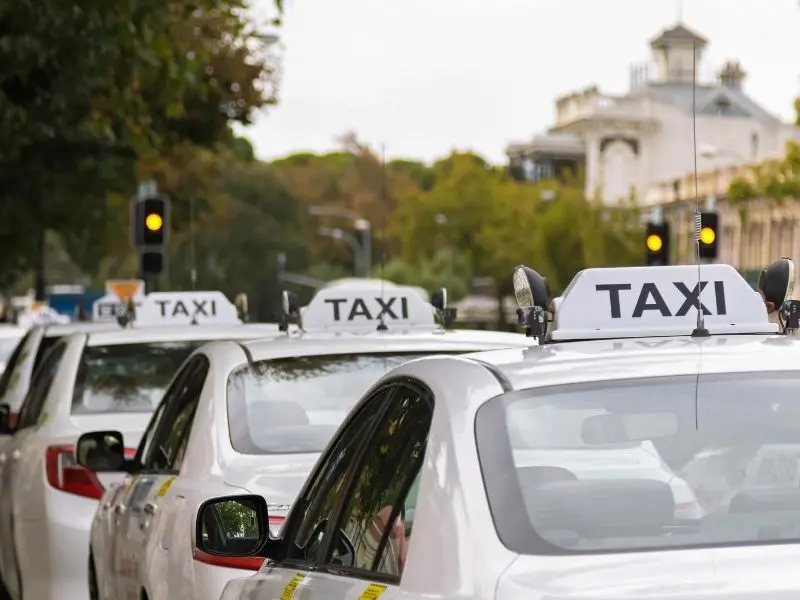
645	464
127	377
295	405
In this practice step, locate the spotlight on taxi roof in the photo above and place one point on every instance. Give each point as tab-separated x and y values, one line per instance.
776	284
532	293
241	306
447	315
127	316
290	307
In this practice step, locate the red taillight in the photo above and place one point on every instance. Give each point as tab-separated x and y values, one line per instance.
12	420
250	563
66	475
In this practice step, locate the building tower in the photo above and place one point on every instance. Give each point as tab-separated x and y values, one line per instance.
674	53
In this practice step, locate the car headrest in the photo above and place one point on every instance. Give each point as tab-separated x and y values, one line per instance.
602	508
276	413
536	476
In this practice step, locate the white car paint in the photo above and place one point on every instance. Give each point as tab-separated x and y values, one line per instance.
137	553
459	555
10	335
44	531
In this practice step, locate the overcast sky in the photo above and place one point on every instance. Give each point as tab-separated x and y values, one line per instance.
425	77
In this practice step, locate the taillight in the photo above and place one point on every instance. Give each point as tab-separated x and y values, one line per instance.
12	420
250	563
275	524
65	474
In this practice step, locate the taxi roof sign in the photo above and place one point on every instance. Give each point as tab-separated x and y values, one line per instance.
354	308
107	308
657	301
186	308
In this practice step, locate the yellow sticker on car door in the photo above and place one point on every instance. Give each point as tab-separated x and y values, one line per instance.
288	591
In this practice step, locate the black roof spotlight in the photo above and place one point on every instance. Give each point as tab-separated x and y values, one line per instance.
447	315
532	293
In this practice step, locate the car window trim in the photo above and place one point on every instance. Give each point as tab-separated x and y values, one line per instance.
290	530
37	382
396	384
201	361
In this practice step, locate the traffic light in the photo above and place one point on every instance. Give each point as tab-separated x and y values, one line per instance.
656	241
709	235
150	232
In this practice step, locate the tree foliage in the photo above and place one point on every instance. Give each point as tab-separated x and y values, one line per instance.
90	94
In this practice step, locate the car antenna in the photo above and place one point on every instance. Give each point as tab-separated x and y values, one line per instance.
700	329
384	198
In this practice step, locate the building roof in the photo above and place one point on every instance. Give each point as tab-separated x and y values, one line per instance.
679	33
680	95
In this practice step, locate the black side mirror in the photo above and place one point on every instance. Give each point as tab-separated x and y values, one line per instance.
102	452
5	420
233	531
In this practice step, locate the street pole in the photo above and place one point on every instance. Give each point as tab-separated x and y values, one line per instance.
367	252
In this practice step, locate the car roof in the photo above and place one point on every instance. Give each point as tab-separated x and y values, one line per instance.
604	360
437	341
179	333
78	327
11	331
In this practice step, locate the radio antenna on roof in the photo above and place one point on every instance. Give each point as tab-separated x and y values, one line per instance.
700	329
384	199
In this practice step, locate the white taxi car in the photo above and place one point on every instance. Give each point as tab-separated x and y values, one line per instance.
26	357
425	490
90	380
250	417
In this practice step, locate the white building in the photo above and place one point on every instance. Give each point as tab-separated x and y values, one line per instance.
626	144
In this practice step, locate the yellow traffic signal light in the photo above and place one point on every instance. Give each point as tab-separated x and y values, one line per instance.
154	222
707	235
654	242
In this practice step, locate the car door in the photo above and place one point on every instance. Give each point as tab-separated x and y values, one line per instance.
365	553
161	466
304	532
104	527
29	419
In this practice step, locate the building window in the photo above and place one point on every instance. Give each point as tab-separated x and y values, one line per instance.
722	105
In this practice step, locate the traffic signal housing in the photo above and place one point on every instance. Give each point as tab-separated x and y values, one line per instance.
656	242
709	235
150	232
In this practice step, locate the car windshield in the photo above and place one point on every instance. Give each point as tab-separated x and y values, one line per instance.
645	464
127	377
294	405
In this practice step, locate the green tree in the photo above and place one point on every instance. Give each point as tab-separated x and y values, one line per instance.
85	90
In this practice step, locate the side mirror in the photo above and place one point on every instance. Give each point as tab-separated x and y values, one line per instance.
102	452
5	420
232	531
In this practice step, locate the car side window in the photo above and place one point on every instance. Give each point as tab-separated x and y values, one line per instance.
172	435
305	535
12	363
374	524
41	382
